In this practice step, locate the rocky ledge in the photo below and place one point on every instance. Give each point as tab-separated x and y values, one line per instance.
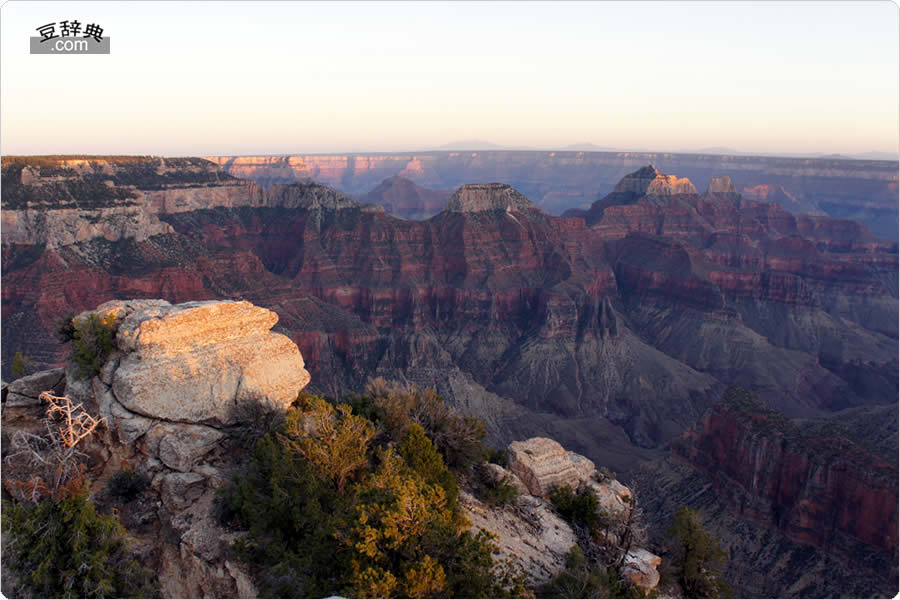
169	392
531	534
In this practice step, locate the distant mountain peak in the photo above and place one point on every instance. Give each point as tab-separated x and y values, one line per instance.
483	197
648	181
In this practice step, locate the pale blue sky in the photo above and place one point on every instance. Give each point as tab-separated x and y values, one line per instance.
281	77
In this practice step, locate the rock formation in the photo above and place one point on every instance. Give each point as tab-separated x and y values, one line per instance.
542	464
24	392
178	377
175	430
863	190
219	354
611	336
530	533
721	185
650	182
486	197
811	504
815	488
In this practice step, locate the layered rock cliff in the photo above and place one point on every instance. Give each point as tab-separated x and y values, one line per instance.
864	191
611	337
821	492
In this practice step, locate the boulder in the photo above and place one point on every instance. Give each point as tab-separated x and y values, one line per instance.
217	354
25	391
179	446
613	498
542	464
639	567
180	490
181	449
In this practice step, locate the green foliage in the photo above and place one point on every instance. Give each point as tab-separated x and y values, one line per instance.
292	511
21	365
329	513
497	456
584	579
459	439
254	417
423	458
492	491
578	508
499	493
338	439
64	331
126	485
93	340
697	556
65	549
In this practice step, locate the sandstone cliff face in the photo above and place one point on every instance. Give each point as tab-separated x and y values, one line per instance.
542	464
178	376
61	202
176	431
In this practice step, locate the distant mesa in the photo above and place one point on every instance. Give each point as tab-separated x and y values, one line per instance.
484	197
650	182
721	185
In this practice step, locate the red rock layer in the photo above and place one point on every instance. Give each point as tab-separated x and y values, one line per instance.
814	489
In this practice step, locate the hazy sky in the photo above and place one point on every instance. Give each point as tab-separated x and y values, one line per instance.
247	77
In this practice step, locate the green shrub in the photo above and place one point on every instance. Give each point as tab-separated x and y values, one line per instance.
607	474
389	527
698	557
66	549
423	458
64	331
459	439
21	365
578	508
499	493
498	457
93	340
491	491
582	579
126	485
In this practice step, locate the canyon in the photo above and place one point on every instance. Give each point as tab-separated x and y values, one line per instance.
812	503
614	329
862	190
